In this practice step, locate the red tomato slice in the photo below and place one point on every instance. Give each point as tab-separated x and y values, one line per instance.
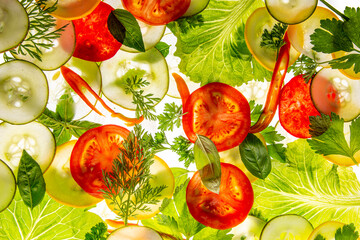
95	151
157	12
295	107
94	41
219	112
224	210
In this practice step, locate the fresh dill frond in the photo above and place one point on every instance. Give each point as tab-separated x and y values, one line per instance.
274	38
145	103
305	66
39	37
170	117
128	186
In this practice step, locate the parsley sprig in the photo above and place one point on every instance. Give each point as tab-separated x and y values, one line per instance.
98	232
306	66
128	184
274	38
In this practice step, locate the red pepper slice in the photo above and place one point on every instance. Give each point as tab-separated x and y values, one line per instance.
273	95
182	88
76	82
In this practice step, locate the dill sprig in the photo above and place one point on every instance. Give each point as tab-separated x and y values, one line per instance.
145	104
170	117
127	185
40	36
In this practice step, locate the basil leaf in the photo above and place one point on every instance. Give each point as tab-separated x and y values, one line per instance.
207	161
255	156
65	107
124	27
31	183
163	48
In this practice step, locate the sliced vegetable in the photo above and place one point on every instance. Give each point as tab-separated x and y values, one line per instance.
250	228
150	66
7	185
196	7
72	9
326	230
291	11
14	24
287	227
23	92
60	185
331	91
182	89
134	233
33	137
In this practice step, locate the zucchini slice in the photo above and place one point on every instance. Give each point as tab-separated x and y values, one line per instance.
23	92
7	185
34	137
196	6
134	233
14	24
250	229
150	65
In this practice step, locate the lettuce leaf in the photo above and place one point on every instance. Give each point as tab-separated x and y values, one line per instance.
48	220
212	46
310	186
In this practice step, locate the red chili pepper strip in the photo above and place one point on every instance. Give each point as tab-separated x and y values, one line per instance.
76	82
273	95
182	88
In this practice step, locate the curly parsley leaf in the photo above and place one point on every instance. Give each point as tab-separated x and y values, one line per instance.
347	232
98	232
184	148
170	117
274	39
320	237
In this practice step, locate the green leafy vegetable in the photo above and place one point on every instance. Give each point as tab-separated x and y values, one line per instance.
275	38
124	27
65	108
207	51
309	185
305	66
170	117
163	48
255	156
320	237
319	124
48	220
347	232
98	232
30	181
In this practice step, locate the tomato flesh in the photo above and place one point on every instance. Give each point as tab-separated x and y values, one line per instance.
157	12
219	112
94	152
224	210
296	106
94	42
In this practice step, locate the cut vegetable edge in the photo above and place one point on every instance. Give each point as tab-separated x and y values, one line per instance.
134	233
24	92
291	225
15	24
114	70
196	6
326	229
34	137
250	229
7	185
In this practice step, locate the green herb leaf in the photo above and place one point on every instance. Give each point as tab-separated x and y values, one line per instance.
125	28
347	61
275	38
347	232
207	160
305	66
65	107
98	232
170	117
164	48
210	233
319	124
320	237
255	156
352	25
30	181
184	148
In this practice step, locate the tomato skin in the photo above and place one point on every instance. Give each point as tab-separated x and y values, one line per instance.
296	106
219	112
224	210
157	12
94	42
94	152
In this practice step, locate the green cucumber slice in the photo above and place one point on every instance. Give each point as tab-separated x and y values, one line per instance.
151	65
196	6
23	92
250	229
14	24
287	227
291	11
331	91
7	185
34	137
134	233
60	53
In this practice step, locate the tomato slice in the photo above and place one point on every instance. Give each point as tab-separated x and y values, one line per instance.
94	42
157	12
219	112
224	210
296	106
94	152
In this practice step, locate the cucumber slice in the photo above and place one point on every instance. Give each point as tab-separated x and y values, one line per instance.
150	65
327	230
23	92
34	137
331	91
134	233
14	24
250	229
196	6
60	53
291	11
7	185
287	227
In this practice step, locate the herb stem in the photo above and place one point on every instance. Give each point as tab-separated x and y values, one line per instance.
335	10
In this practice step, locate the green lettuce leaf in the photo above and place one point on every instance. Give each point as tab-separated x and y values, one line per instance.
48	220
310	186
212	46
